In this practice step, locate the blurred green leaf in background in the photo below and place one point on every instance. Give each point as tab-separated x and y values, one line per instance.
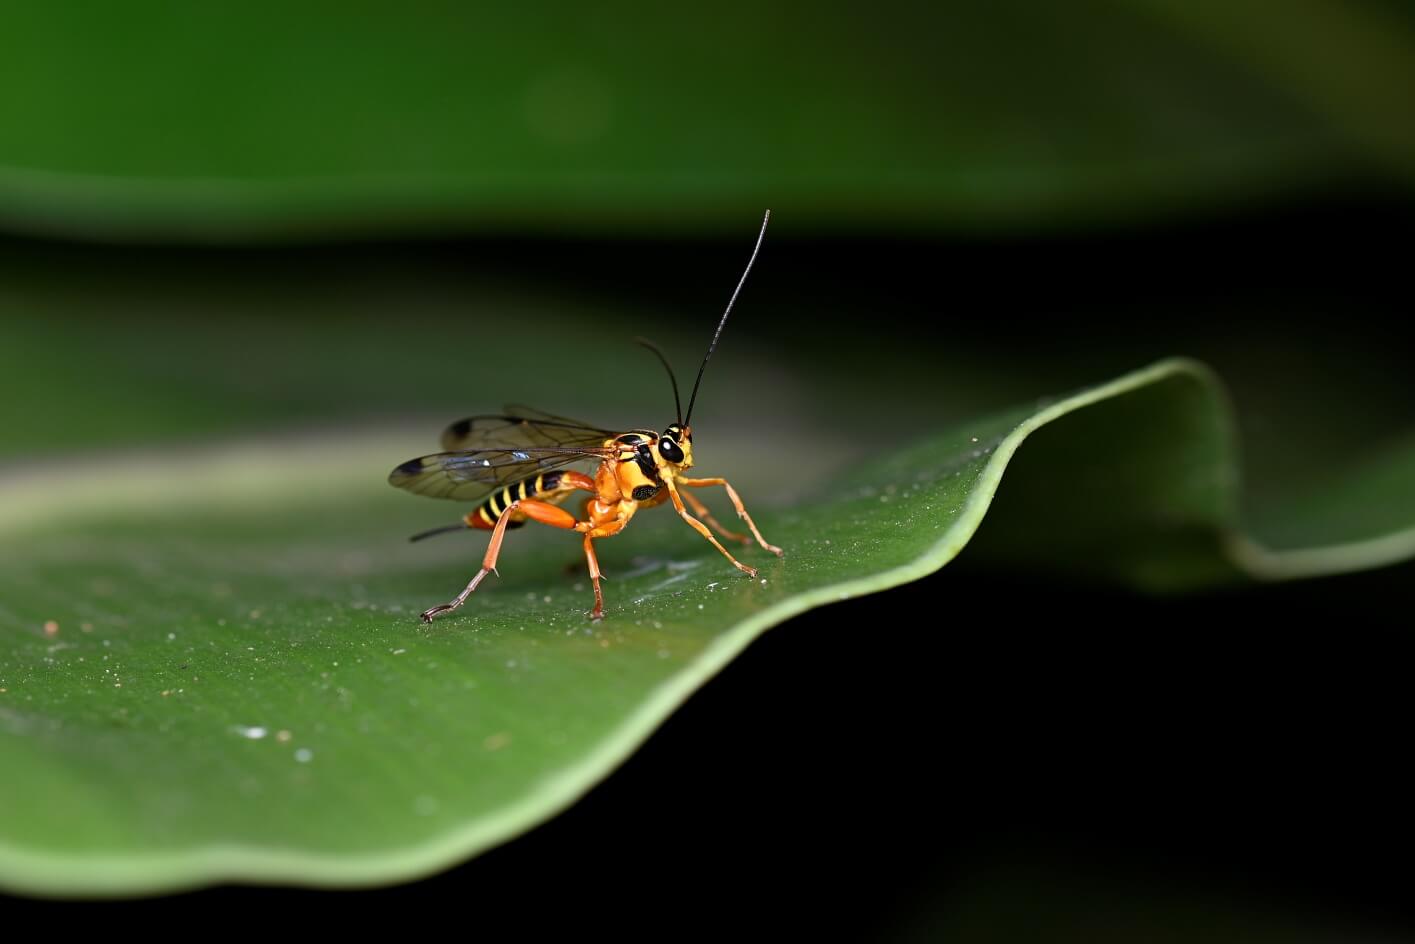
278	120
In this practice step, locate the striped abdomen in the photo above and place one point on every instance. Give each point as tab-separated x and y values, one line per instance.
547	487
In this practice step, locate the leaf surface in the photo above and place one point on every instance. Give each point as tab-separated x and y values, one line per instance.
212	667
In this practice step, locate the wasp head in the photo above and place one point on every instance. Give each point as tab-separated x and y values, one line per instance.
676	446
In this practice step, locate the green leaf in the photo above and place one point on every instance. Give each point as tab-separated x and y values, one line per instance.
263	121
213	667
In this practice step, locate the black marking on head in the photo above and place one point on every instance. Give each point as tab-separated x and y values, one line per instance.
670	450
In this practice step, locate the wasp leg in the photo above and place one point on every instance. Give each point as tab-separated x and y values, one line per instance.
543	512
598	613
592	531
701	528
736	503
702	512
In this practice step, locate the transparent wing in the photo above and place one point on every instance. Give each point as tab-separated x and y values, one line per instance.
520	426
531	413
472	474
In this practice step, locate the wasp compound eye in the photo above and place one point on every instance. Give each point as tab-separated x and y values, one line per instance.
670	450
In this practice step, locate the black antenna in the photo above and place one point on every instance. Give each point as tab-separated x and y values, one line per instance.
718	333
443	530
677	403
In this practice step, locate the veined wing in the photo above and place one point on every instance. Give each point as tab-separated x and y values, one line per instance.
472	474
531	413
520	426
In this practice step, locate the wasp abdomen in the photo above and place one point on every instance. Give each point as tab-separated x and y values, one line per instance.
548	486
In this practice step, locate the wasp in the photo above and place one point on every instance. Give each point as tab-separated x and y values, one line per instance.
515	465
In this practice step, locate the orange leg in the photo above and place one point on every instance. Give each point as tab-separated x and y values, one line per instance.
598	612
702	512
591	531
736	503
701	528
543	512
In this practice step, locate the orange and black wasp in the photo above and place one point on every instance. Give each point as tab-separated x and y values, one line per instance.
515	466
